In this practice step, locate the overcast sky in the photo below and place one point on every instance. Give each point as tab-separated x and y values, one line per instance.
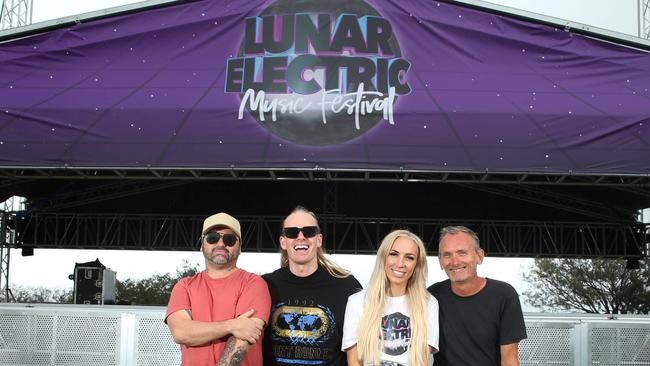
617	15
51	267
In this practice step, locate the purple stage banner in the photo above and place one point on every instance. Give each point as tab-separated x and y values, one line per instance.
338	84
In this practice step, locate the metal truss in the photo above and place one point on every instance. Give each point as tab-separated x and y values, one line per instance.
103	192
10	176
330	197
560	201
4	256
15	13
532	188
7	240
342	234
644	19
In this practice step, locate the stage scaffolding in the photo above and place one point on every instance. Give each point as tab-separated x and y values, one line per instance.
15	13
343	235
644	19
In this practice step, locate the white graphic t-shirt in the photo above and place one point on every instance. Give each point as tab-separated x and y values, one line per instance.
395	325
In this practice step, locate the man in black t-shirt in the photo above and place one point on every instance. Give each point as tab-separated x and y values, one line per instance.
308	298
481	322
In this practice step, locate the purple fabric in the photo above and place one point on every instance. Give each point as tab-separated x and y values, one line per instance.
488	93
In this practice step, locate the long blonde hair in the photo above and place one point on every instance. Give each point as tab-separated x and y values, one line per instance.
370	343
331	267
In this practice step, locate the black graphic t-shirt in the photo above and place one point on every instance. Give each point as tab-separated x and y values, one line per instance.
306	322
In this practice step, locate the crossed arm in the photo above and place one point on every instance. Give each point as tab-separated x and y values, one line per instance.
191	332
243	332
234	352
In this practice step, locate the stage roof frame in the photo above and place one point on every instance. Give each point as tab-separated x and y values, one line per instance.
155	177
15	175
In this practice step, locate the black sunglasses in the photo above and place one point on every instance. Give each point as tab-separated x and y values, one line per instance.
307	231
228	239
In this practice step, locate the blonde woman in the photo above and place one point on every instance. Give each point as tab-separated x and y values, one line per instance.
395	320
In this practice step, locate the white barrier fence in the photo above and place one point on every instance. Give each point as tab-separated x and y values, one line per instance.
86	335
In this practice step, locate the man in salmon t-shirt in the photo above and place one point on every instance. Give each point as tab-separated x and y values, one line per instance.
218	315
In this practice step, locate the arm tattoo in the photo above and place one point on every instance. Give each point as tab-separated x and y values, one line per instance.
233	354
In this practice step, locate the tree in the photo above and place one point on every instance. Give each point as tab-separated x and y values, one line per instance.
154	290
603	286
40	295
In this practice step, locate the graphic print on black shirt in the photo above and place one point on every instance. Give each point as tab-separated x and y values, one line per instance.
397	333
299	333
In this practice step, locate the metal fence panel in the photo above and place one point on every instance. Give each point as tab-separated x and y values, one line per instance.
89	335
620	345
154	342
547	344
42	336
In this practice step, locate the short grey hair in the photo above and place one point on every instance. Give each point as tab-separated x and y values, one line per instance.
453	230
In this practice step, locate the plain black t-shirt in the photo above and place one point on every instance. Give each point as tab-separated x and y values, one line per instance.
473	328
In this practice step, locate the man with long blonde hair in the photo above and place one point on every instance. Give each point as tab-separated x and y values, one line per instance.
395	321
308	297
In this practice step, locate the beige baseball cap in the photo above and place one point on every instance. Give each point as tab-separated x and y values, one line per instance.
222	219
